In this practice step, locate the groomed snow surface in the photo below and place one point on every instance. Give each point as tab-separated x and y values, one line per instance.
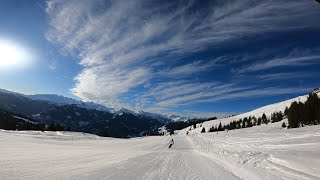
261	152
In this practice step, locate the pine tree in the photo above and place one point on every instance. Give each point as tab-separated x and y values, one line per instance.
220	127
276	116
294	115
203	130
233	125
310	109
264	119
273	117
279	116
249	122
244	122
211	129
259	121
254	121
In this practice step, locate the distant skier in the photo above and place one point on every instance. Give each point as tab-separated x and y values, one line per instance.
171	143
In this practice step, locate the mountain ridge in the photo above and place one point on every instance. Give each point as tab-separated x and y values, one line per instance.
83	116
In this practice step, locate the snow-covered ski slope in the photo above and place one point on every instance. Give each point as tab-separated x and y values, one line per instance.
261	152
37	155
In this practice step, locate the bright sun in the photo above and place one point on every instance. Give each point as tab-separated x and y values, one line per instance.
11	55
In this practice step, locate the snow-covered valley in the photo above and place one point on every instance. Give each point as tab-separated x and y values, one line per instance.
262	152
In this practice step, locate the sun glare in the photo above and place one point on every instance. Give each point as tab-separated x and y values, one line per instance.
12	55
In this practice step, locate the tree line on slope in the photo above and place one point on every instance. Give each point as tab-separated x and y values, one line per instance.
247	122
298	114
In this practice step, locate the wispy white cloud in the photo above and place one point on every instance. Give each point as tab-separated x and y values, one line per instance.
194	67
258	92
98	85
121	44
228	92
280	62
284	76
202	95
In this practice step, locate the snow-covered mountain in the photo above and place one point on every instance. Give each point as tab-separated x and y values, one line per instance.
177	118
159	117
61	100
121	111
8	92
53	98
81	116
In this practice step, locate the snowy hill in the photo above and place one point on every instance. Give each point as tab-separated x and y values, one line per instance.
268	110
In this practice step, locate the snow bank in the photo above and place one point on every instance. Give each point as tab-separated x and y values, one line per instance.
264	152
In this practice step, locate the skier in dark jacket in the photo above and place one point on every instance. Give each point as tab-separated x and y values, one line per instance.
171	143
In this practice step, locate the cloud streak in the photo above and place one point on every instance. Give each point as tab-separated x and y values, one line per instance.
280	62
124	45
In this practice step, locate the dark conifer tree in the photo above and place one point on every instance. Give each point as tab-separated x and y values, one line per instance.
244	123
264	119
273	117
259	121
254	121
294	115
220	127
279	116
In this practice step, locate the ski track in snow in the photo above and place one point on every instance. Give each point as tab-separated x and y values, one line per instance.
261	152
264	152
49	155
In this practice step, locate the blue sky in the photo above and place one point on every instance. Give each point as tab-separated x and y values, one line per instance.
188	57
